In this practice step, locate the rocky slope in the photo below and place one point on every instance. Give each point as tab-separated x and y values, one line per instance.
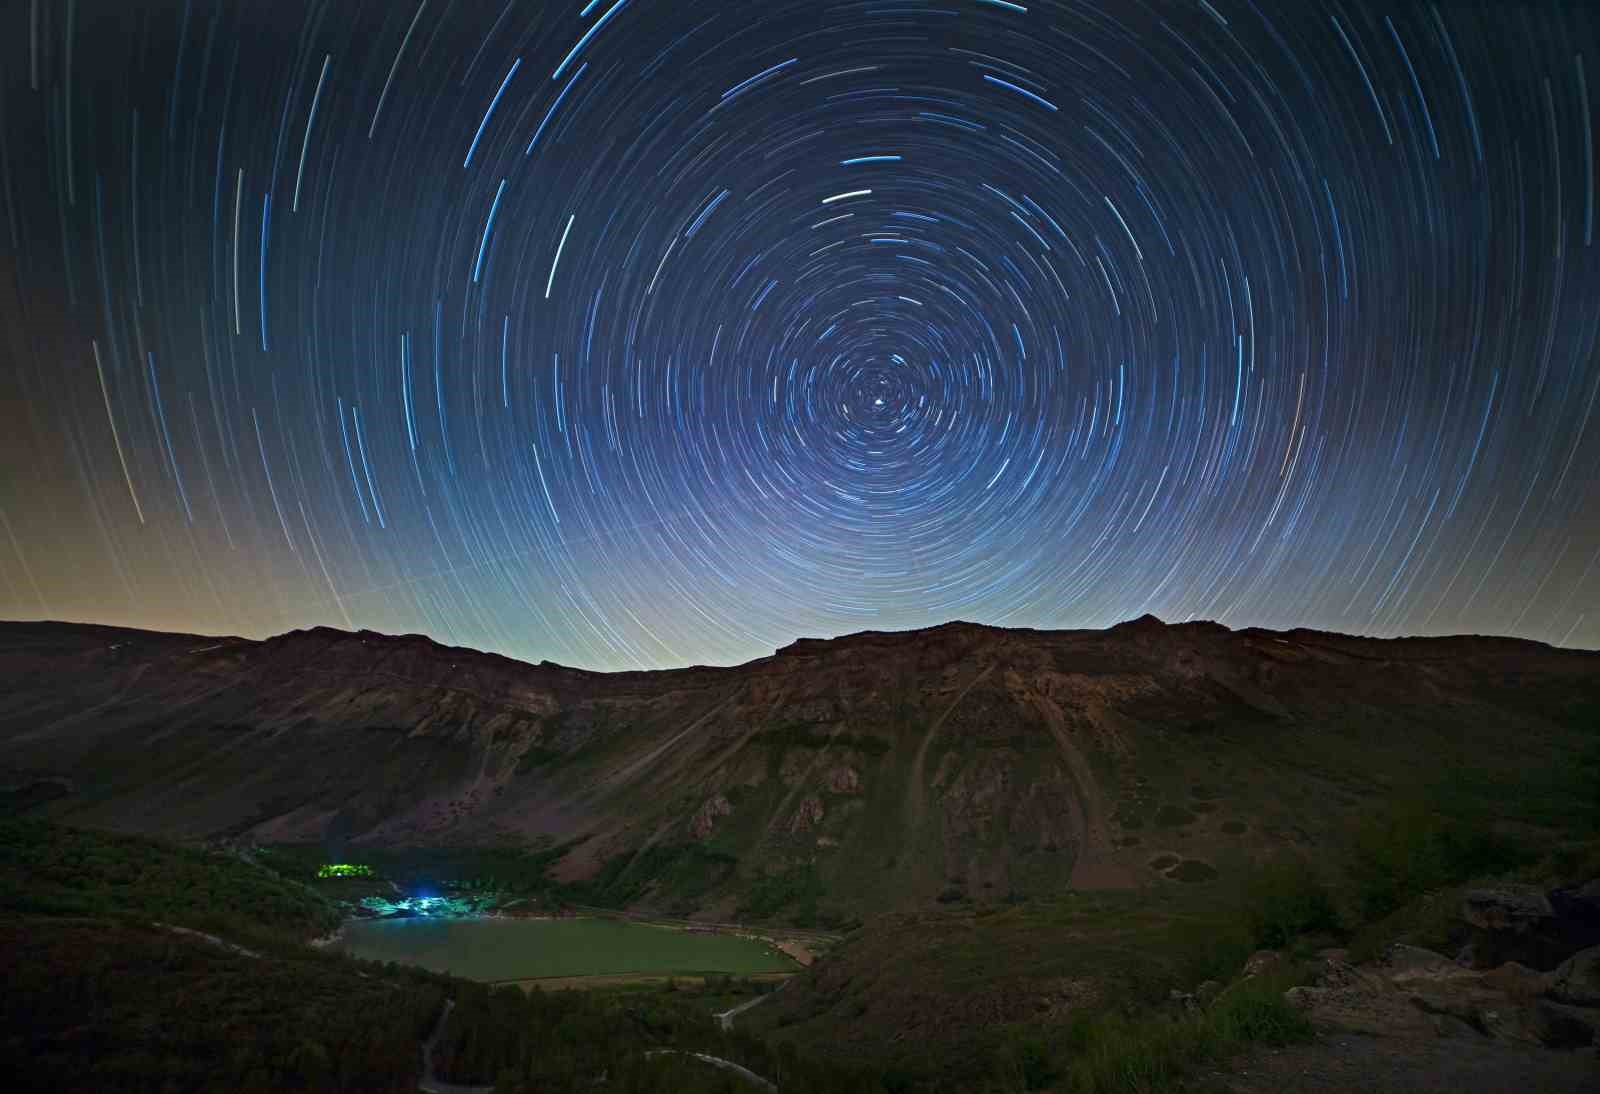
1415	1021
862	773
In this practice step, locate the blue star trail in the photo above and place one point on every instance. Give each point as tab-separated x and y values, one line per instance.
633	334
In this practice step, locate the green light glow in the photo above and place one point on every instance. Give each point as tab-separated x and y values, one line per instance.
344	869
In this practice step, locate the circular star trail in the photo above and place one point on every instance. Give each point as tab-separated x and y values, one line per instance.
635	334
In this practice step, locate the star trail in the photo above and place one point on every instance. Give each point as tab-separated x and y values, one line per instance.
634	334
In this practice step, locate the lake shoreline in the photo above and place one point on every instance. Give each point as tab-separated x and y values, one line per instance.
800	946
497	948
633	979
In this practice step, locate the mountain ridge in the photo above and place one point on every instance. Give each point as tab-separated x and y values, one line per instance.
836	776
800	644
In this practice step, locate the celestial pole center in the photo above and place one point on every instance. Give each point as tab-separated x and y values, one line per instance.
634	334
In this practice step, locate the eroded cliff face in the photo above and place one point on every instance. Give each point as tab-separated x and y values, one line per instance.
879	770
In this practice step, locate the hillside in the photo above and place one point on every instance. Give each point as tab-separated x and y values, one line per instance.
831	781
114	981
46	869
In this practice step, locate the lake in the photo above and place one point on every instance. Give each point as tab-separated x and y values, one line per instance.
525	949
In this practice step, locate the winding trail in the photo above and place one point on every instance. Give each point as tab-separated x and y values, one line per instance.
725	1019
222	943
430	1083
718	1061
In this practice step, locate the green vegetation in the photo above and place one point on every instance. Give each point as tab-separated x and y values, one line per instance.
536	1042
93	1004
1361	845
536	757
969	983
1173	816
1192	870
1286	899
1117	1054
805	735
1104	963
110	987
46	869
1418	845
686	870
506	871
797	887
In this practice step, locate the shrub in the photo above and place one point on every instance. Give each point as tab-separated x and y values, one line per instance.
1024	1063
1114	1054
1431	920
1575	862
1412	847
1173	816
1285	899
1192	870
1255	1012
1205	949
797	887
535	757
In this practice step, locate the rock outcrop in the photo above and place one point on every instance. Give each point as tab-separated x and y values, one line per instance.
1415	991
704	821
1577	980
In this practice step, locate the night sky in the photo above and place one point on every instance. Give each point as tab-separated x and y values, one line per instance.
632	333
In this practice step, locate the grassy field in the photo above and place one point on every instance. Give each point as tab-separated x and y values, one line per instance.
525	949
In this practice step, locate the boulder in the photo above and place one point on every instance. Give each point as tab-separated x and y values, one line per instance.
1489	1012
1577	980
1405	964
1509	908
1262	961
1579	902
1355	1001
1561	1026
1518	981
1508	1021
1513	922
1498	1003
1446	1025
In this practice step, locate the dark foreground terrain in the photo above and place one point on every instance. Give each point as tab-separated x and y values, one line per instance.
1054	858
134	965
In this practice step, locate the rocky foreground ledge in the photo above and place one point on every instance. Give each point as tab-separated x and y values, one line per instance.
1530	975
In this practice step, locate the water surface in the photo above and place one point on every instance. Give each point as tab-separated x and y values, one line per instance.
524	949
